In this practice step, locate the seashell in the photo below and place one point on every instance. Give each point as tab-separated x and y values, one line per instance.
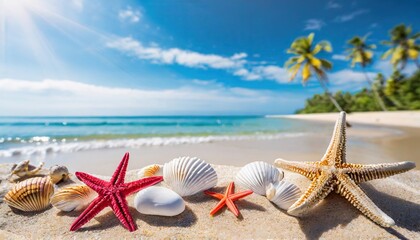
257	176
189	175
73	198
283	194
159	201
31	195
58	174
151	170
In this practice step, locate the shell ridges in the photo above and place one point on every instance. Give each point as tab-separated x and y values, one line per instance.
189	175
73	198
257	176
283	194
30	195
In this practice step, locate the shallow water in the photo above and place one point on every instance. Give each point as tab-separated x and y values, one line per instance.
43	135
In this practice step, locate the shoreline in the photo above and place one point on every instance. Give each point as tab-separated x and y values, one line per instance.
391	118
366	145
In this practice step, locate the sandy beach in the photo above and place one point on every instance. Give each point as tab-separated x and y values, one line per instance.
397	196
395	118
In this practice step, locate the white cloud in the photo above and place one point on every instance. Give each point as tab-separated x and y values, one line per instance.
269	72
339	57
333	4
130	15
351	16
349	80
78	4
176	55
385	67
314	24
237	64
63	97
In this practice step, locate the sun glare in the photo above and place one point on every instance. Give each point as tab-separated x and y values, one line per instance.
20	21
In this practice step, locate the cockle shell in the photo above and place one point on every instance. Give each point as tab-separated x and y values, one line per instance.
189	175
59	173
73	198
283	194
257	176
159	201
151	170
31	195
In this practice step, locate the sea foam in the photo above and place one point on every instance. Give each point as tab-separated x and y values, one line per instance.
68	147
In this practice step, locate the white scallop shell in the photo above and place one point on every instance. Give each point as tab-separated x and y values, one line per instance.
257	176
73	198
159	201
283	194
189	175
151	170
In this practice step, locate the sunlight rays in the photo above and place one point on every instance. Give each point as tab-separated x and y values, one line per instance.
23	24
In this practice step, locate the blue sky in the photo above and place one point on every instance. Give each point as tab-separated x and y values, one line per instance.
160	57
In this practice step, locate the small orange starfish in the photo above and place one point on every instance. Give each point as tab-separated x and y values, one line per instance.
228	199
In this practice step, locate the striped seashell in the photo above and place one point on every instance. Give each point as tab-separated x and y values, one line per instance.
189	175
257	176
31	195
73	198
283	194
151	170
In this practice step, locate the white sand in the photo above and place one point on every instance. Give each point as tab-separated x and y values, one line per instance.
395	118
334	218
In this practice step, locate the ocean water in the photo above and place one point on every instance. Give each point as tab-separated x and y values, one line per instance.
43	135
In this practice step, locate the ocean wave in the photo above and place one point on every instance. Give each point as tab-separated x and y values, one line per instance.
68	147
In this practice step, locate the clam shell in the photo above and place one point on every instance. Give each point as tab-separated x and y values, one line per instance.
73	198
283	194
31	195
189	175
159	201
257	176
151	170
59	173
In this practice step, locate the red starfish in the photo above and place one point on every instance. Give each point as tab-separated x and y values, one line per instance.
228	199
112	194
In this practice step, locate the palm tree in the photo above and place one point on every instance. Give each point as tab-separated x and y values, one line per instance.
305	52
361	53
392	86
403	47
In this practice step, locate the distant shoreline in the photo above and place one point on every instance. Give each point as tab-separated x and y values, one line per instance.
392	118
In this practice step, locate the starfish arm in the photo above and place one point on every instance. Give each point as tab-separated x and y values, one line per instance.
120	207
232	207
336	151
94	208
352	192
362	173
318	190
135	186
218	207
239	195
214	194
230	189
307	169
119	173
93	182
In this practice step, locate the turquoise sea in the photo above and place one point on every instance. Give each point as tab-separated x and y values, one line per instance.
43	135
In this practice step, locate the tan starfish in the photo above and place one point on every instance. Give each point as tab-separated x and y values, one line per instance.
334	173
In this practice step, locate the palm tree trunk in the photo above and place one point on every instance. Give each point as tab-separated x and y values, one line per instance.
340	109
375	92
330	95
